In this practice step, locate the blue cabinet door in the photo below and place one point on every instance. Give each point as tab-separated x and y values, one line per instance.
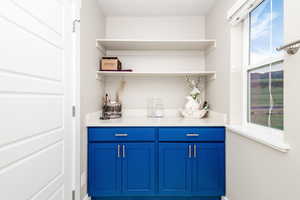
174	168
208	173
138	168
104	170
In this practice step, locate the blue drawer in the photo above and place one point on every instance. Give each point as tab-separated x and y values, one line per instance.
192	134
121	134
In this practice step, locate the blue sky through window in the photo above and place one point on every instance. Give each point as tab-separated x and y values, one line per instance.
266	30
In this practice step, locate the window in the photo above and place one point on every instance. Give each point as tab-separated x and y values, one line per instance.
264	65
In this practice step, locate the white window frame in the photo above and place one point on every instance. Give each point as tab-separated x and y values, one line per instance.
278	134
239	15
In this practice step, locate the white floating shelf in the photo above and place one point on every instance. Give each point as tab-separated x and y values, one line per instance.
122	44
209	74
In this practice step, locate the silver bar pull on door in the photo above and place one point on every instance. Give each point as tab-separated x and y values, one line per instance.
119	148
195	150
190	151
124	153
291	48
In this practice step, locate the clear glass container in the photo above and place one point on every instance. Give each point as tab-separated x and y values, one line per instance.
155	108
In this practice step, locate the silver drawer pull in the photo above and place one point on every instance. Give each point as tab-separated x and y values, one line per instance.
121	135
192	135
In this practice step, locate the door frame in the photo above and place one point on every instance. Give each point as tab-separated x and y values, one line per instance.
76	185
69	89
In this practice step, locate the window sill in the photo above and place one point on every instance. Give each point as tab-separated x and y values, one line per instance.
260	135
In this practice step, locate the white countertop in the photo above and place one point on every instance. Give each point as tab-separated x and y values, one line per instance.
214	119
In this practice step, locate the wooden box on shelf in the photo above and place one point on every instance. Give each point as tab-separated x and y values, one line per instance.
110	64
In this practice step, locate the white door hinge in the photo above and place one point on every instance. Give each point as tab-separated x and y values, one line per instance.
74	24
73	111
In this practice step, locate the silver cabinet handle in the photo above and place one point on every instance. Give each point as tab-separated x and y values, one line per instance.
119	154
121	134
195	150
192	135
190	151
124	154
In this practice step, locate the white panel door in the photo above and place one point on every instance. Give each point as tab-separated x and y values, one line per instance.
35	100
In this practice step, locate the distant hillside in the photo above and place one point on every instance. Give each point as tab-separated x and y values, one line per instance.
262	79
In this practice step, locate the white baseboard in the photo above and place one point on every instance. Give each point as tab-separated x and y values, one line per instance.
225	198
88	198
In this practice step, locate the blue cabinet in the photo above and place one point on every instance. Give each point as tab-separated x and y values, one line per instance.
121	134
196	169
104	170
208	173
138	168
157	163
174	168
121	169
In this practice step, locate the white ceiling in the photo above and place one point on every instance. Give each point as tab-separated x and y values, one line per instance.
155	7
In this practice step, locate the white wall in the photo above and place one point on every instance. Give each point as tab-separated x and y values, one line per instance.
217	59
92	27
138	90
255	171
156	27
